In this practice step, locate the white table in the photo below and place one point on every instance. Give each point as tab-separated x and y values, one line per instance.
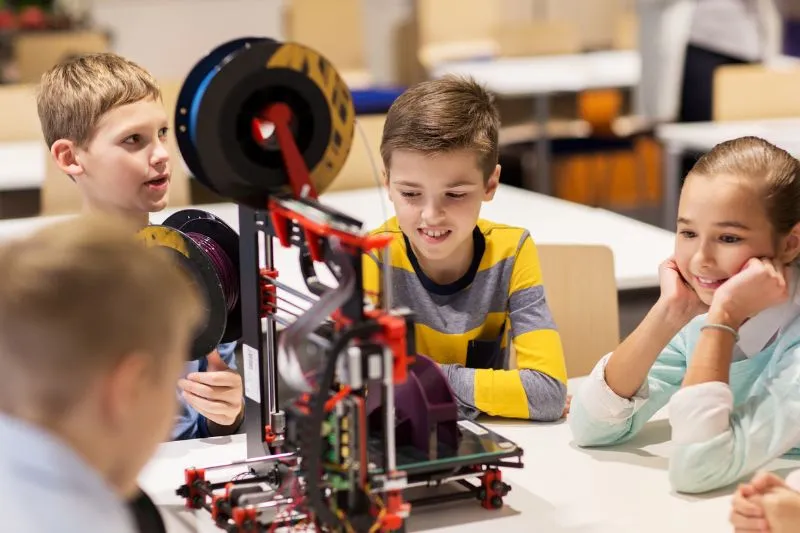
703	136
562	489
528	76
541	76
22	165
638	247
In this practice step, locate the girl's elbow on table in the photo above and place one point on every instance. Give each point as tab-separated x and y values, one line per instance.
694	471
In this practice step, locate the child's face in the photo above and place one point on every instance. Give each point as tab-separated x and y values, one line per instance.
722	223
149	409
125	166
437	199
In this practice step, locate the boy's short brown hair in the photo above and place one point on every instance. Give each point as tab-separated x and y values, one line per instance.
75	298
443	115
75	93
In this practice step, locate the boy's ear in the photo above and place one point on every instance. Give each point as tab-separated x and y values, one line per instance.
123	388
790	245
491	184
65	153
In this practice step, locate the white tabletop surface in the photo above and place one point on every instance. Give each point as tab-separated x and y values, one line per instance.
528	76
638	247
561	489
22	165
703	136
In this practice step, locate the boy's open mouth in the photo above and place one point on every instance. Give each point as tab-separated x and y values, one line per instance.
433	236
157	183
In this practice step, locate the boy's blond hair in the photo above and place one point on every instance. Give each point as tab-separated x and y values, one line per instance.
443	115
77	297
77	92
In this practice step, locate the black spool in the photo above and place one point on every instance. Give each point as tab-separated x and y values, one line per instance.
235	84
187	232
189	89
197	221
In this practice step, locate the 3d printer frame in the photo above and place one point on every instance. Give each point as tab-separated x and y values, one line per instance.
315	460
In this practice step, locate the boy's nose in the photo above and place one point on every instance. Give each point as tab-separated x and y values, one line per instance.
160	154
432	213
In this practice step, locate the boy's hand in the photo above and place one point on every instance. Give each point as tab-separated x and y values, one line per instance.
217	393
782	509
765	481
747	513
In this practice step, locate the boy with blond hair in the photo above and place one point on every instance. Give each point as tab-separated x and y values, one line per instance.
474	286
94	329
106	127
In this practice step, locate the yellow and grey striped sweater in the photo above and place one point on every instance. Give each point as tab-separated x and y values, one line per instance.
466	325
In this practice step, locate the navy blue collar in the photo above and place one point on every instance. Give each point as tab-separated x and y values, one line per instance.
479	247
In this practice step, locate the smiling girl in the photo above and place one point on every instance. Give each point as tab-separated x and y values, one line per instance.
721	346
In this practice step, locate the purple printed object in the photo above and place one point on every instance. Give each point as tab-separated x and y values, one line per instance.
425	407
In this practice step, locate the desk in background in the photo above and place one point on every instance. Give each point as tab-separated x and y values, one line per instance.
22	165
562	489
703	136
638	247
541	76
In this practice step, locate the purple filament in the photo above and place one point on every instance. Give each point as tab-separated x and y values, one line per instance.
223	266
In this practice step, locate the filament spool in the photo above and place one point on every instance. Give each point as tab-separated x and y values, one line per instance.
208	250
226	95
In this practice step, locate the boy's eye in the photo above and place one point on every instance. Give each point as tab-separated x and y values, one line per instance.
163	132
133	139
407	194
456	195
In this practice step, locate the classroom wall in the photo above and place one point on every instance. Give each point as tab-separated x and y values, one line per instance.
179	32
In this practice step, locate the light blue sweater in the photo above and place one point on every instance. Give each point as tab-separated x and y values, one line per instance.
764	422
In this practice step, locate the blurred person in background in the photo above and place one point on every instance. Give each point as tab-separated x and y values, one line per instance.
682	42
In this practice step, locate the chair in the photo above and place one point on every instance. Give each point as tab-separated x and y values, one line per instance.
776	90
525	39
358	172
18	108
581	292
19	124
310	22
455	29
37	52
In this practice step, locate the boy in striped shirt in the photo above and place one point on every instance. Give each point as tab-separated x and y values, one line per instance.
474	286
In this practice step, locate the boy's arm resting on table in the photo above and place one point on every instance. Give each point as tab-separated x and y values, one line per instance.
715	444
522	393
536	389
599	417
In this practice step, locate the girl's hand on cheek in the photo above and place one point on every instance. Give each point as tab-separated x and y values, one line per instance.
762	283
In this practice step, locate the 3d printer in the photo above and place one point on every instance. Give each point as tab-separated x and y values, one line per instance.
269	125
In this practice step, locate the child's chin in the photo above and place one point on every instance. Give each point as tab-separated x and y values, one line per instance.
159	205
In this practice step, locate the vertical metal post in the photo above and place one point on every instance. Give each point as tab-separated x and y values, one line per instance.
260	391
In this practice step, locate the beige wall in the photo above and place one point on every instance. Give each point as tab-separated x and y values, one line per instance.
168	36
181	31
